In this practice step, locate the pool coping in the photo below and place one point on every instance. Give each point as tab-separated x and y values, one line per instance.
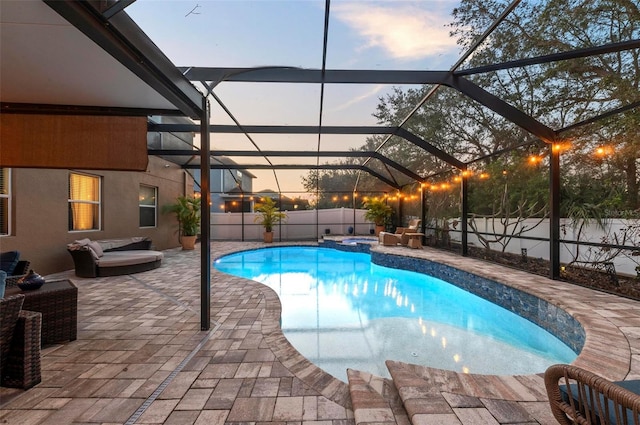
597	354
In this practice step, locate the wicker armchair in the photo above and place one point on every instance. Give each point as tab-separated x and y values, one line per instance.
19	344
578	396
400	236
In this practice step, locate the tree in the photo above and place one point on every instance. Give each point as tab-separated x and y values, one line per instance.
512	196
562	93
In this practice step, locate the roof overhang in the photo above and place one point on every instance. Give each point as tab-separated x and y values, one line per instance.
66	57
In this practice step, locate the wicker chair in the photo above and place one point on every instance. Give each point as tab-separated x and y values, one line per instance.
21	270
400	236
413	226
19	344
578	396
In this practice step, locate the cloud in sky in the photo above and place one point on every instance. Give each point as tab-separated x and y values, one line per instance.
403	31
356	99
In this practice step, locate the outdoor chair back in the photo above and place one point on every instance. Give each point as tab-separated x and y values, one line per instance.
578	396
9	311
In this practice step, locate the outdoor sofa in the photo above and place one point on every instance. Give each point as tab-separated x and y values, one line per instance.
113	257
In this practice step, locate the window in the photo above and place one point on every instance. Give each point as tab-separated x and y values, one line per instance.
148	206
84	202
5	201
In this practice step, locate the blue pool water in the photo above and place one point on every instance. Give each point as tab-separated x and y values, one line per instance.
353	241
341	311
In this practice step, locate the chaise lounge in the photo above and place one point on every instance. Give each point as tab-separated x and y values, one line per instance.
113	257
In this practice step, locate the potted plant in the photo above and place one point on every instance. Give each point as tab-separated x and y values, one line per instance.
378	212
187	211
268	216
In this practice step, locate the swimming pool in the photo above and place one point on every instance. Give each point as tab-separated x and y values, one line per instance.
341	311
356	240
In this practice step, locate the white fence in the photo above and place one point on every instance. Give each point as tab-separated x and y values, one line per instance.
311	224
299	225
625	263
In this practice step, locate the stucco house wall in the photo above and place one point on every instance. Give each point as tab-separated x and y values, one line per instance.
40	211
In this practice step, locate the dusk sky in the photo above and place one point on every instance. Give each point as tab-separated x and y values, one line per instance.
385	35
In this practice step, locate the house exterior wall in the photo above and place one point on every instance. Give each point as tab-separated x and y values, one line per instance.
221	183
40	211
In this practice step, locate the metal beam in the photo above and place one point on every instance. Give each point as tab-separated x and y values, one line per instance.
293	154
464	214
555	57
129	45
110	9
205	219
313	76
410	137
554	214
599	117
50	109
276	129
305	129
502	108
299	167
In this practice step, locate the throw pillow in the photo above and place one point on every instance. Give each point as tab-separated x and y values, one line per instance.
9	261
3	282
95	246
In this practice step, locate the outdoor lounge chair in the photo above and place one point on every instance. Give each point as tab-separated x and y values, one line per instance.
400	236
578	396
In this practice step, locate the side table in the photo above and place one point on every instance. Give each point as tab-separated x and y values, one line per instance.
415	240
58	303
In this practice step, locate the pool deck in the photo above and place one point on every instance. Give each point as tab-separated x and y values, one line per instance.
141	357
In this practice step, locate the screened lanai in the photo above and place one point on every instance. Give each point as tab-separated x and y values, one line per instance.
421	102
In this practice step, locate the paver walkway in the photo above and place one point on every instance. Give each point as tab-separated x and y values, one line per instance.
141	358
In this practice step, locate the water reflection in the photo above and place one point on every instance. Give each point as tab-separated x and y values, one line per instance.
340	311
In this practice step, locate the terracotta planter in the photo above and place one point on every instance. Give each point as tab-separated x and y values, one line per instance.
268	237
379	229
188	242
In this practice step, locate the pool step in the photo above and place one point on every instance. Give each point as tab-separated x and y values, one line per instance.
445	397
375	400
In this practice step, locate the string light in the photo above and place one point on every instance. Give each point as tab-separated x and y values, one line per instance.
603	151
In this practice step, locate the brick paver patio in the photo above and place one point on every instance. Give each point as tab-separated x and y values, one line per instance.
140	357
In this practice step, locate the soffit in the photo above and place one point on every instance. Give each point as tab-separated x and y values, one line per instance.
46	60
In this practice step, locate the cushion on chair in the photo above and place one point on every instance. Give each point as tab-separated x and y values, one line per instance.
633	386
9	261
96	248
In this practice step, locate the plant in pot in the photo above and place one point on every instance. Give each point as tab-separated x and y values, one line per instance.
268	216
187	211
378	212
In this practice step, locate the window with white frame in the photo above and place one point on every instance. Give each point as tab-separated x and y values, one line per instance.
84	202
148	205
5	201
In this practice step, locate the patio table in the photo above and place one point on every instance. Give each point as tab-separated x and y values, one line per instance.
58	303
